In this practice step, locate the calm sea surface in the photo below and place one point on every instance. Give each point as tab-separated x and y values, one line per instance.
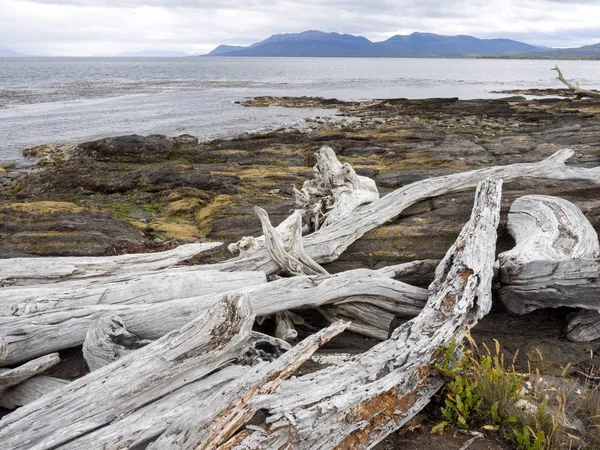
68	100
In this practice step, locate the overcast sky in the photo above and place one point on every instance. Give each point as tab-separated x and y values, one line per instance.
89	27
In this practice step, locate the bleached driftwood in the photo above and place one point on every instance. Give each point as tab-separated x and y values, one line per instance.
553	263
108	340
166	285
32	335
31	368
412	268
334	192
23	271
182	357
137	429
230	407
584	326
29	391
575	86
147	423
329	242
290	256
357	404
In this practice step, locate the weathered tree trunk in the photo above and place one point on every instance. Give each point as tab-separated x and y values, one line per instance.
575	86
166	285
554	261
357	404
329	242
38	334
183	356
23	271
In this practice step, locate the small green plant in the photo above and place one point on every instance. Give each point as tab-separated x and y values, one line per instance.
462	402
527	439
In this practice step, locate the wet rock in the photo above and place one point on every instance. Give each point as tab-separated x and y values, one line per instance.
50	154
131	148
181	176
59	229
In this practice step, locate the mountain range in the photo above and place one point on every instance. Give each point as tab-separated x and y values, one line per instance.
7	53
317	43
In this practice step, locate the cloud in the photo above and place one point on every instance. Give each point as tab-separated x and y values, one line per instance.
85	27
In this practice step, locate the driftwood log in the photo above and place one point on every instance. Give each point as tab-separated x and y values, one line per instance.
554	262
23	271
134	288
28	336
359	403
575	86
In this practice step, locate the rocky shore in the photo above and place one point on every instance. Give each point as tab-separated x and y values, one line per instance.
135	193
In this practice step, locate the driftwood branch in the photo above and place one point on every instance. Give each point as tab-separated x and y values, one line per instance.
575	86
291	257
584	326
23	271
357	404
333	194
34	367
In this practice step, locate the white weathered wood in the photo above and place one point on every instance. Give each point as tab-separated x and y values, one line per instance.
291	257
333	194
32	335
327	244
575	86
584	326
29	391
548	228
108	340
31	368
179	358
161	286
23	271
424	266
229	407
357	404
137	429
366	319
554	262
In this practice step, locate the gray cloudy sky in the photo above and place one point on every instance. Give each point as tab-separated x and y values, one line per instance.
88	27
